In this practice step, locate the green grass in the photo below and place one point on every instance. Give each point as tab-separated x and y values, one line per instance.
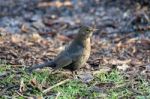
113	76
112	85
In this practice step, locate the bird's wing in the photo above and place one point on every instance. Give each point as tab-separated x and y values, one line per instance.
62	60
76	52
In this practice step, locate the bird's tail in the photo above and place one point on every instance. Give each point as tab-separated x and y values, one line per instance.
47	64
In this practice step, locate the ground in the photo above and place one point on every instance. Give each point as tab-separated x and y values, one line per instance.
35	31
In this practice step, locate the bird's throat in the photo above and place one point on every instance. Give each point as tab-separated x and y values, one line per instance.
82	42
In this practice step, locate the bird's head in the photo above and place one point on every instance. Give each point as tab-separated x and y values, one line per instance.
86	32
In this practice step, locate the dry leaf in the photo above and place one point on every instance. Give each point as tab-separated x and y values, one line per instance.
123	67
24	28
116	61
44	83
63	38
22	86
145	44
16	38
39	86
132	40
33	81
57	4
35	37
102	70
86	77
136	62
40	97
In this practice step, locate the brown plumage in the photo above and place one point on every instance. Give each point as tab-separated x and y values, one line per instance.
75	55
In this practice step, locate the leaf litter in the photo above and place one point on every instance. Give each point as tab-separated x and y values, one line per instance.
121	43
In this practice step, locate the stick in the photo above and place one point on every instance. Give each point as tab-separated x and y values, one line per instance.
21	95
58	84
58	94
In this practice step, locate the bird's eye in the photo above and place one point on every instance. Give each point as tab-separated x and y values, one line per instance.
88	30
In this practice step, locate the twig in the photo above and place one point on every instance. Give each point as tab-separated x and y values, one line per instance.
58	84
22	95
58	94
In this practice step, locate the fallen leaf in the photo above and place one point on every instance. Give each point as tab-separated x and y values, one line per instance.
22	86
57	4
123	67
24	28
63	38
35	37
102	70
115	61
33	81
16	38
86	77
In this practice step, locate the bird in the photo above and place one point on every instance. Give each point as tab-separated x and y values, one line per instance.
75	55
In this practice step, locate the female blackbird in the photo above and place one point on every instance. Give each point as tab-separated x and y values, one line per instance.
75	55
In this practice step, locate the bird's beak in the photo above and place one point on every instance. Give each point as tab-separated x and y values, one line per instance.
95	29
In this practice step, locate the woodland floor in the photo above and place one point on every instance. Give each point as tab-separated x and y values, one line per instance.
35	31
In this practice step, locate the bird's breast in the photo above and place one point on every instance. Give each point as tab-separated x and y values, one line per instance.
85	54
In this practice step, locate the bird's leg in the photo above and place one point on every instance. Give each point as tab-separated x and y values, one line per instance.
74	74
